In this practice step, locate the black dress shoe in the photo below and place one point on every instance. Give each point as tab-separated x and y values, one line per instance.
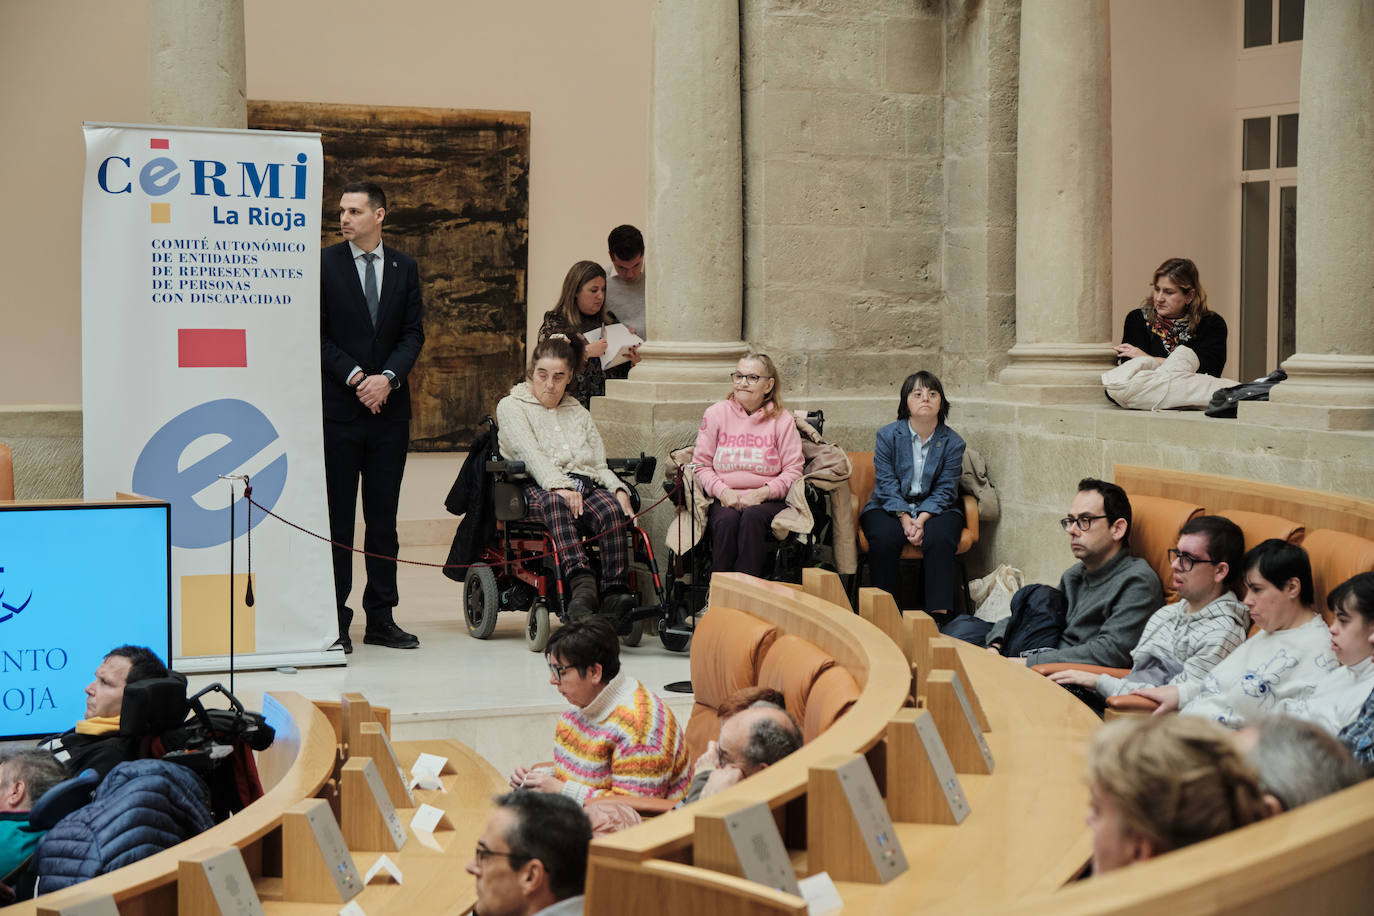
391	636
344	643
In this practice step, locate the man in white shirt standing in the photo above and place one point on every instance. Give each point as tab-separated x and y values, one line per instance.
625	287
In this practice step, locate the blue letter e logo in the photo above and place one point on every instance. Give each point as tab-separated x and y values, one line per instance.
157	473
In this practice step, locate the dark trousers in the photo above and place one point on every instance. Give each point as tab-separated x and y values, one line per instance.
600	512
739	540
885	543
373	449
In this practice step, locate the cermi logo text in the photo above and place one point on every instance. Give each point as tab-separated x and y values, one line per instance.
160	175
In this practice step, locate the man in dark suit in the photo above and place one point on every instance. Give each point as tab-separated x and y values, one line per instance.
371	331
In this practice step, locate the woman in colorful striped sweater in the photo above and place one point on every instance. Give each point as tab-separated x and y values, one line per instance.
619	738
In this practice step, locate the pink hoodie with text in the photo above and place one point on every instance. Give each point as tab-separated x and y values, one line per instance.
745	451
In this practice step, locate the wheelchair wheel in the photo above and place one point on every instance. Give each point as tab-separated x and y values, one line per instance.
674	642
479	601
633	637
537	626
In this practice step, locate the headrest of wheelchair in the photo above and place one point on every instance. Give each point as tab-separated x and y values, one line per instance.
153	706
62	799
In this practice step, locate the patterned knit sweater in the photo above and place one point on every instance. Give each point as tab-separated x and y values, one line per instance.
624	742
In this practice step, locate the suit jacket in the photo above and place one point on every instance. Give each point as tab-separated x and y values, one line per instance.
892	468
348	339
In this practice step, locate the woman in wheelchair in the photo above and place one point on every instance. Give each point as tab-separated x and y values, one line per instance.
748	455
573	494
916	466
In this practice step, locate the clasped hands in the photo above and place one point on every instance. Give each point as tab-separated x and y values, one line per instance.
914	528
574	500
373	390
735	499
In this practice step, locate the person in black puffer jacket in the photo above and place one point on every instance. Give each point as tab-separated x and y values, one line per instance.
142	807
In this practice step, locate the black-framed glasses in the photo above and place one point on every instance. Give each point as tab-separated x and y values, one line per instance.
750	379
481	854
559	670
1084	522
1186	561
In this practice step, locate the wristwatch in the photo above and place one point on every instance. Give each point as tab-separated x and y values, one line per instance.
391	377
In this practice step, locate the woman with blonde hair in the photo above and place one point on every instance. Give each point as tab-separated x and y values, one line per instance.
581	310
1159	784
1175	314
748	455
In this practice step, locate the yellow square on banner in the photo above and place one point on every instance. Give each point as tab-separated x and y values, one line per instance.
161	213
205	615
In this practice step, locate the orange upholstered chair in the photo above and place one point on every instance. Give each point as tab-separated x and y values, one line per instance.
1155	524
861	488
728	649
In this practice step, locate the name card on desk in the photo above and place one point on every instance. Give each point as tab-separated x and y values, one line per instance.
316	864
758	846
230	887
848	830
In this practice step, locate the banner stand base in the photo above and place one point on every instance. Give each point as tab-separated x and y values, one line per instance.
260	661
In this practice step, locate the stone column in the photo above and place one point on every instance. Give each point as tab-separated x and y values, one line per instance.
196	63
1063	201
695	295
1331	377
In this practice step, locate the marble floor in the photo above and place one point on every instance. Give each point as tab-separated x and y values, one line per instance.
493	695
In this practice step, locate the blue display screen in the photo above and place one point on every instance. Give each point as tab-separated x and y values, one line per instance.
76	581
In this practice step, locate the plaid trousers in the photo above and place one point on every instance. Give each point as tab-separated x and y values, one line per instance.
600	512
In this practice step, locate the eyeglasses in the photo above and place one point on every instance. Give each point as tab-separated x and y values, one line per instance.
1186	561
1084	522
481	854
748	379
559	670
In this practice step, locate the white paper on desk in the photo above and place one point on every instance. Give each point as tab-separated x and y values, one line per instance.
820	894
619	340
423	779
351	908
424	774
383	863
426	819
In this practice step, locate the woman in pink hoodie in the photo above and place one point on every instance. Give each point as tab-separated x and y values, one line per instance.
748	455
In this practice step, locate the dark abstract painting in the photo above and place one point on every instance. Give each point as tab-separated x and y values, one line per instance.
457	185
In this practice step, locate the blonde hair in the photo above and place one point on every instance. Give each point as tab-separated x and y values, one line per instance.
578	276
1177	780
774	397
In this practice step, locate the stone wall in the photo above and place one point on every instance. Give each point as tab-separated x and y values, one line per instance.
46	442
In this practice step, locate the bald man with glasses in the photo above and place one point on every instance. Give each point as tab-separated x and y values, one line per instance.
1098	612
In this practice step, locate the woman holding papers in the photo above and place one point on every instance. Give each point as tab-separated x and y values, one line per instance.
581	312
748	455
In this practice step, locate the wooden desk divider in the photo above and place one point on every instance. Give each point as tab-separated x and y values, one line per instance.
97	905
743	841
316	864
848	830
215	881
920	630
354	711
373	742
922	786
369	818
949	705
827	586
945	654
878	608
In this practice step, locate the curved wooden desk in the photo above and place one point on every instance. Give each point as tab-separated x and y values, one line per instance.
1025	834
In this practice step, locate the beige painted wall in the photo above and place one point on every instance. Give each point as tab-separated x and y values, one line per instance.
581	69
1175	142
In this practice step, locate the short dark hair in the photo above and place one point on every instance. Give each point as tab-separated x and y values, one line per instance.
1115	503
143	663
585	642
921	379
376	197
1278	561
625	243
38	770
1354	594
770	740
553	829
1225	544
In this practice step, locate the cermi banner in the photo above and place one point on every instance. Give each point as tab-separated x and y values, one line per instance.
200	358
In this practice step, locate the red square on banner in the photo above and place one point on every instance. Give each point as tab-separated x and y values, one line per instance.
212	348
158	144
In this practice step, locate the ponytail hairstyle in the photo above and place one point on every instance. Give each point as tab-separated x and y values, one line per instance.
1177	780
558	346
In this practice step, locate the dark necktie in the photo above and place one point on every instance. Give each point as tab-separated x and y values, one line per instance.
370	286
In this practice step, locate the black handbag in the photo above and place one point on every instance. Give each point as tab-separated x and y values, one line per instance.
1224	400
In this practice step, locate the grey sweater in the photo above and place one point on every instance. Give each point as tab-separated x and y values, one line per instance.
1108	609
